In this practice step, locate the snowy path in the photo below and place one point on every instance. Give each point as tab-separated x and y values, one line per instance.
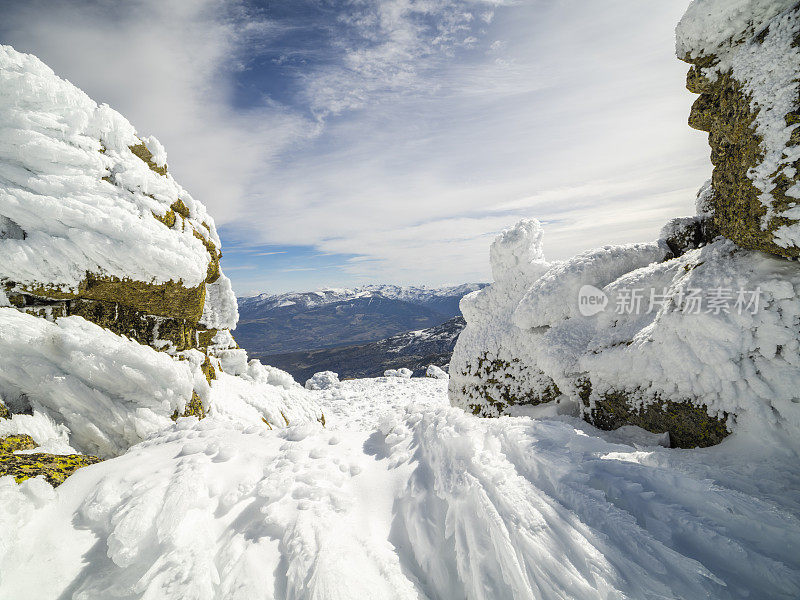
401	497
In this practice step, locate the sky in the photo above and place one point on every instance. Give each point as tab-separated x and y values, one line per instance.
344	142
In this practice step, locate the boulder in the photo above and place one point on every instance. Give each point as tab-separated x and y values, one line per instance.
693	335
114	311
745	59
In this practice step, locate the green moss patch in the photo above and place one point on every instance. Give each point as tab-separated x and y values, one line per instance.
14	443
143	153
496	388
689	425
54	467
194	408
724	111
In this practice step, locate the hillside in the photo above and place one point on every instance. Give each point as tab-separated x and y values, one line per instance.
305	321
413	350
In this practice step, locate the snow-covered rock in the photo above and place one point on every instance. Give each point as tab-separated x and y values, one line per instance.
114	312
324	380
436	372
402	373
695	345
746	67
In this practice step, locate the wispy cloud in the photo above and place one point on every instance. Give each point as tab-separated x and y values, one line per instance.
401	134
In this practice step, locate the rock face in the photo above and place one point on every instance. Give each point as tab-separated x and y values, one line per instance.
745	61
105	233
92	225
695	334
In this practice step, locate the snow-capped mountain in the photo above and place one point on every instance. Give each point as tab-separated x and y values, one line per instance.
306	321
421	295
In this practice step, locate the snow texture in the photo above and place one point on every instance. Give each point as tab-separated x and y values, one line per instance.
738	361
75	199
403	497
109	392
323	380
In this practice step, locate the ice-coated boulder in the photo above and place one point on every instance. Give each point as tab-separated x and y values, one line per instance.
693	335
114	312
92	223
745	57
402	373
436	372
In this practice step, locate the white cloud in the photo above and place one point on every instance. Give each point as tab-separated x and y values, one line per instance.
435	124
168	67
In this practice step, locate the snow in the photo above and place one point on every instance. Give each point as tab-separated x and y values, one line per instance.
401	496
100	393
323	380
75	199
402	372
436	372
109	391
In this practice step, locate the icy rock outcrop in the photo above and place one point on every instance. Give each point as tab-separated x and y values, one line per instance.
745	58
711	342
402	373
114	312
436	372
696	374
92	224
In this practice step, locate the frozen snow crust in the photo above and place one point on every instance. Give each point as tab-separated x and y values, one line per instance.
403	497
746	68
697	376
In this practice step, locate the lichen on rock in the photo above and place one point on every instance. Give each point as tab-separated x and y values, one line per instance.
575	332
55	468
749	100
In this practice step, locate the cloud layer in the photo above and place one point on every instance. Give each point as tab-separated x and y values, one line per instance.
396	136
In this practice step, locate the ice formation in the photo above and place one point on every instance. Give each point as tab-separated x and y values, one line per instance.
693	334
746	60
114	312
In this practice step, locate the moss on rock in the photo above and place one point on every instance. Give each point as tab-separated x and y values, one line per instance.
14	443
724	110
494	384
689	425
194	408
143	153
168	219
170	299
54	467
141	327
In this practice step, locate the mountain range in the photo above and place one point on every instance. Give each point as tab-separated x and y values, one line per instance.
352	331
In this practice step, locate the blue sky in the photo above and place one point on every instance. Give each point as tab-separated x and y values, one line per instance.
341	142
